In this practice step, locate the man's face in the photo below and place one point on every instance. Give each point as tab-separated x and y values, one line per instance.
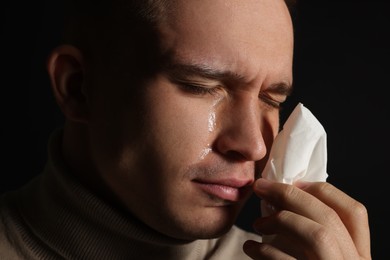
182	152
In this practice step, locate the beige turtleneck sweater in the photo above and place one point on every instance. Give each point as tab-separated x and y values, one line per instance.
55	217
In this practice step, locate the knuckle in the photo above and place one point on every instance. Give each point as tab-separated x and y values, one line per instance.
265	249
321	237
331	216
324	188
282	216
360	211
289	192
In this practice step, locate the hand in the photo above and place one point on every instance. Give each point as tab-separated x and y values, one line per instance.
311	221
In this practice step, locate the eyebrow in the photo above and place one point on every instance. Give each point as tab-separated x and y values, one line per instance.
201	70
282	88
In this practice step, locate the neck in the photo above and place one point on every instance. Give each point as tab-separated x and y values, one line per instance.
76	152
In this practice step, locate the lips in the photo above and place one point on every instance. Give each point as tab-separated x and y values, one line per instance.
225	189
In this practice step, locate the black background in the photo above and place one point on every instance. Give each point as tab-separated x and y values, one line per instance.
341	73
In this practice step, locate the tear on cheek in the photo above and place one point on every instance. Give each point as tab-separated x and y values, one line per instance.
212	121
205	152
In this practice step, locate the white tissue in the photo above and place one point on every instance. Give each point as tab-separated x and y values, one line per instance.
299	151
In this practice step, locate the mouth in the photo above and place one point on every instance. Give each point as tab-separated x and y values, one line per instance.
231	190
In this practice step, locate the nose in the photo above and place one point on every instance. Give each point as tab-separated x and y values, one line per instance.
240	136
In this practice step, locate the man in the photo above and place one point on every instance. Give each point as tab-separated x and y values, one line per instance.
171	108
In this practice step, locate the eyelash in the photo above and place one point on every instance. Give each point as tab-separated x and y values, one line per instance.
270	102
201	91
198	89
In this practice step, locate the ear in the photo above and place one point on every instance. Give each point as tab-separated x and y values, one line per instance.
66	68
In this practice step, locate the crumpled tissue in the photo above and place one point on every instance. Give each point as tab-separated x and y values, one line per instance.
299	152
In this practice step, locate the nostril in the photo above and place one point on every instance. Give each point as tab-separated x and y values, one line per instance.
235	156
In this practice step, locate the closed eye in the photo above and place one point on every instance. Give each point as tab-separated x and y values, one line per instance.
271	102
198	89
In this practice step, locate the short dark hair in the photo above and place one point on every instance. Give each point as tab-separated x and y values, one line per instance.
89	22
86	20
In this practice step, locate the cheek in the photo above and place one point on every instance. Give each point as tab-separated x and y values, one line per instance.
180	127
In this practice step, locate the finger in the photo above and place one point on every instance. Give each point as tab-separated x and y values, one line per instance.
302	238
291	198
288	197
264	251
352	213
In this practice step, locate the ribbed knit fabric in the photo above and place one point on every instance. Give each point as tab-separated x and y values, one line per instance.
55	217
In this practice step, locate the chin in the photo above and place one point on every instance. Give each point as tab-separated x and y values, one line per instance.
203	232
214	232
212	223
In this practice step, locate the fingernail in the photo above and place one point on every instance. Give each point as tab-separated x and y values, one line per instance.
302	184
262	184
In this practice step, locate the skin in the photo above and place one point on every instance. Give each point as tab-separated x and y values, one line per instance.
190	141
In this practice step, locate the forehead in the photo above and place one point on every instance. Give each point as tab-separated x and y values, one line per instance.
230	34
